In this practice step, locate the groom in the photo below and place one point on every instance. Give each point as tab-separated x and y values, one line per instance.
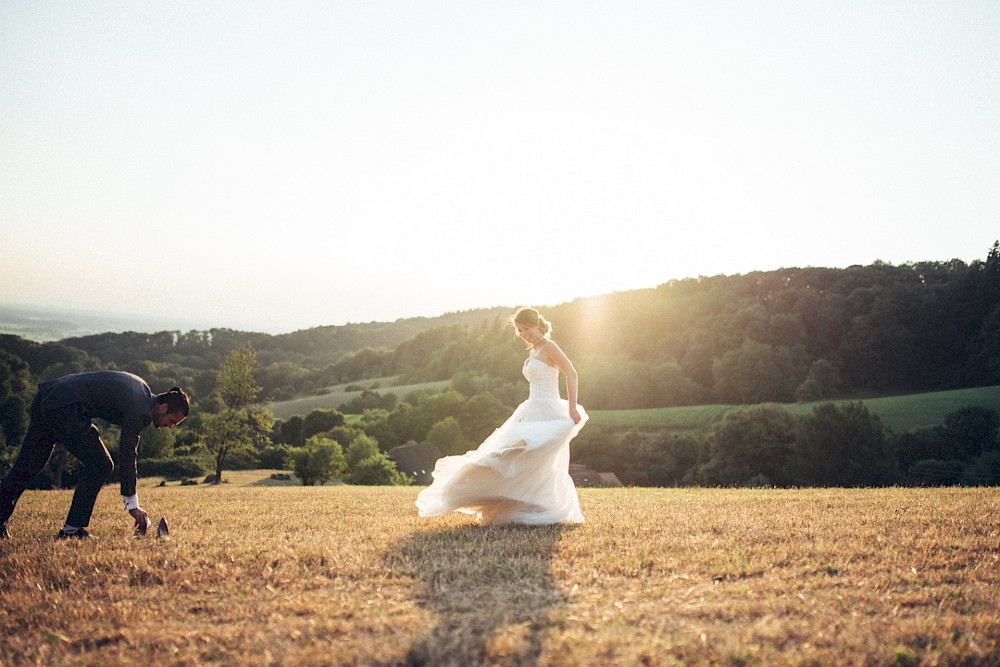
61	412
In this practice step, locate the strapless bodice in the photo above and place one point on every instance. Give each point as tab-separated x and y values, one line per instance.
543	380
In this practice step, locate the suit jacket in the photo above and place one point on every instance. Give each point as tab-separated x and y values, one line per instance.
114	396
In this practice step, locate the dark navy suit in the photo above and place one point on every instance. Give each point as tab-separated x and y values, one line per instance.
62	412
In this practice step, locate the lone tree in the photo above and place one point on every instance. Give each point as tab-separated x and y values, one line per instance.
242	425
237	379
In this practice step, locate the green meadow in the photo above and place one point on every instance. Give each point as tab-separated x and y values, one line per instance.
900	413
333	397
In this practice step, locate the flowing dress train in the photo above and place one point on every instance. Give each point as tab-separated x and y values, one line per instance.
520	473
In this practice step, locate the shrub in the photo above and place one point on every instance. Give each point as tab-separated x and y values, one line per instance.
983	470
971	431
446	435
319	461
275	457
844	445
319	421
362	447
378	470
748	442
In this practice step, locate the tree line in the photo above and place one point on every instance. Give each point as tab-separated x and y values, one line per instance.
837	444
783	335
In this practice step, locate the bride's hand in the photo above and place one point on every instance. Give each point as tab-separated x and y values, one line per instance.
574	414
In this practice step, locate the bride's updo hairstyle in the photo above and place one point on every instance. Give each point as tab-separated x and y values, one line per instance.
530	317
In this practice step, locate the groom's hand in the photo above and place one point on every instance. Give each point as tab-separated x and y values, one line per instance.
141	519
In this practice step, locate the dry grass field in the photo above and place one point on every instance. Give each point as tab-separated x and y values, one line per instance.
339	575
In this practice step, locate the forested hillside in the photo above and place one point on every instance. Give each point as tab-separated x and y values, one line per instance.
798	333
793	333
308	348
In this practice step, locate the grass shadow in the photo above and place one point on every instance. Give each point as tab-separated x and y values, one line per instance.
490	587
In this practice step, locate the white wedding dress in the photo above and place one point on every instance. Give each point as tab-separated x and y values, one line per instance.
520	474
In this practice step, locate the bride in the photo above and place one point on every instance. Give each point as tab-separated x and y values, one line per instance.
520	473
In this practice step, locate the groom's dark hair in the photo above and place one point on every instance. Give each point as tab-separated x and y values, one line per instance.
176	400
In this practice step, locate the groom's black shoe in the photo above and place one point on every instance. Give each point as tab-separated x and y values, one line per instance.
78	534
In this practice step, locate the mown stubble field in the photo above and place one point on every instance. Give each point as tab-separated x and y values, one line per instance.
351	576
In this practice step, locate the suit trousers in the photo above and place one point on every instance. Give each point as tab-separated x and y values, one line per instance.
70	426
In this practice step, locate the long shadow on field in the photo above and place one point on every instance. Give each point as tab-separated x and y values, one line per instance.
491	589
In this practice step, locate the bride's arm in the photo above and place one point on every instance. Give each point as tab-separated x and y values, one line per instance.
562	362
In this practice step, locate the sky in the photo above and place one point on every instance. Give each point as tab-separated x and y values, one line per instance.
275	166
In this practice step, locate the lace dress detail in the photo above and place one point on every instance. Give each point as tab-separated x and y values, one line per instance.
520	473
